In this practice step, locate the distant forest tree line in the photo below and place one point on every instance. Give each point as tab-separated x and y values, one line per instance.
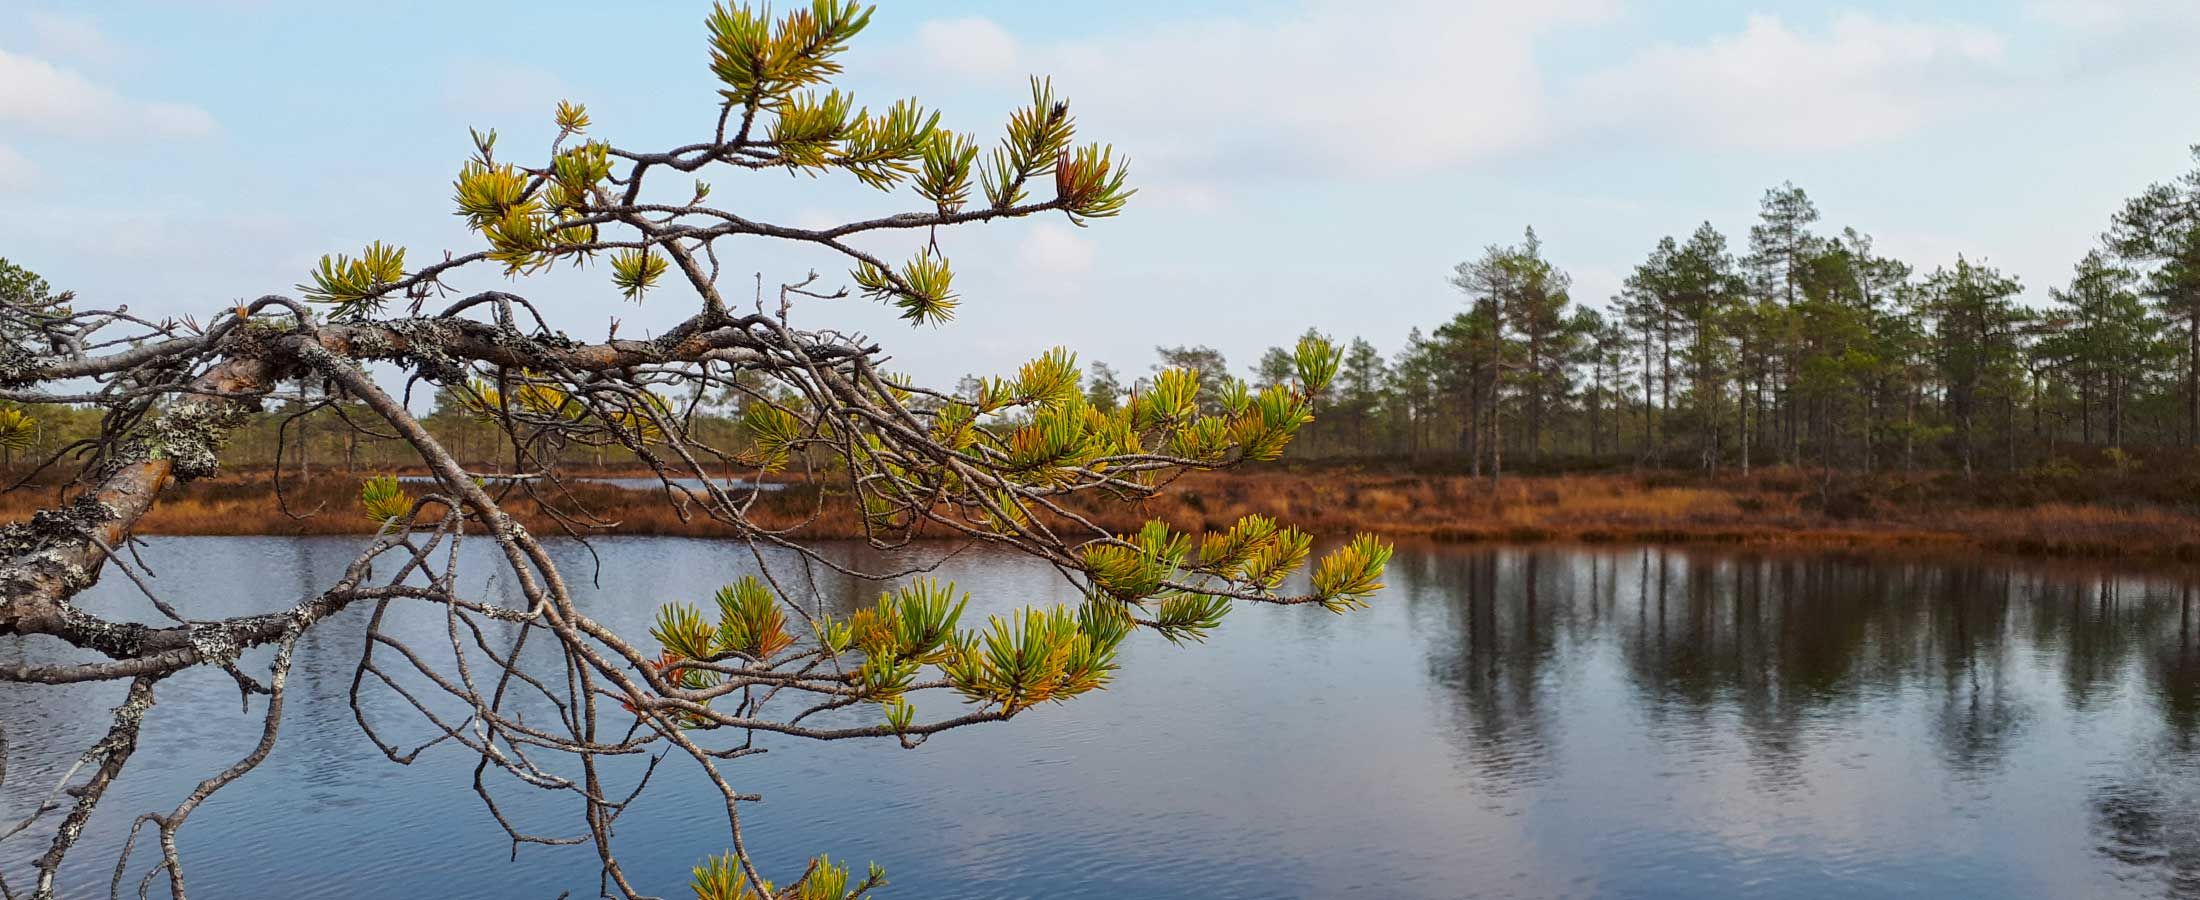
1799	347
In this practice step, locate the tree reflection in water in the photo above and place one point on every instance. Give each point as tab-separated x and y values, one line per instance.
1530	723
1789	653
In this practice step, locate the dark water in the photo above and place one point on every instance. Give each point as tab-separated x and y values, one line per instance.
1504	723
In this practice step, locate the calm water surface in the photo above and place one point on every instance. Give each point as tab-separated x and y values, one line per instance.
1504	723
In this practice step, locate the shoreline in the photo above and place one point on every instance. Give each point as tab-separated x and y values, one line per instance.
1769	510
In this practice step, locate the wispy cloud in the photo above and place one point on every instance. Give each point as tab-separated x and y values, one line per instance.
2114	15
36	95
16	171
1381	89
1771	87
973	47
1054	252
1411	88
69	37
2154	37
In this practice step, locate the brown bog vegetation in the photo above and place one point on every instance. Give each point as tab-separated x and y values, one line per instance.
2042	512
1776	507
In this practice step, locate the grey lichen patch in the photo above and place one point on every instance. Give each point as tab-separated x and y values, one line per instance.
190	436
17	539
372	344
49	528
542	349
536	349
216	646
79	518
427	343
272	326
121	640
18	366
128	717
504	614
556	340
316	357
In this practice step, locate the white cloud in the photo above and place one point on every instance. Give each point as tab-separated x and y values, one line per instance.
37	95
1594	284
972	47
2114	15
1394	88
105	253
71	37
1185	196
1054	251
818	218
1772	88
16	171
2153	37
165	235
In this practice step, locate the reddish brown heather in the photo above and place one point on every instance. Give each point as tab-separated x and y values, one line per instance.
1785	508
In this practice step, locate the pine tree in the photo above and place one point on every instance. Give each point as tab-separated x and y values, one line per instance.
993	463
1975	330
1104	388
2159	230
1780	246
1652	304
1207	363
1360	392
2106	336
1603	350
1475	354
1416	380
1538	307
1704	290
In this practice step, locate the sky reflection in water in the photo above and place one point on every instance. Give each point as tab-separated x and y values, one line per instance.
1544	722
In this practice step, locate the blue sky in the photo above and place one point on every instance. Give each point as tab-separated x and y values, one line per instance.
1317	163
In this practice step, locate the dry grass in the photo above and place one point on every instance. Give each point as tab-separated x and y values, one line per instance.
247	503
2063	529
1771	509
